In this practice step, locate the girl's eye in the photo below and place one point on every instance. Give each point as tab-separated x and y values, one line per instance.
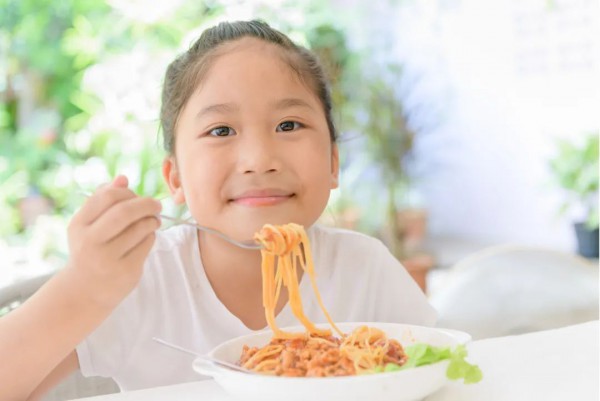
221	131
288	126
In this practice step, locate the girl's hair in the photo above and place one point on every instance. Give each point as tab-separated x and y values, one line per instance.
185	73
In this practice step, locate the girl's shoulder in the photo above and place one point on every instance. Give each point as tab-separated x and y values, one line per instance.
342	241
349	253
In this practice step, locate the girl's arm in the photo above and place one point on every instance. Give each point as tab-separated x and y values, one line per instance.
68	366
109	239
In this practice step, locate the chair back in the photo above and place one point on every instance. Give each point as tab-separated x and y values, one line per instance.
508	289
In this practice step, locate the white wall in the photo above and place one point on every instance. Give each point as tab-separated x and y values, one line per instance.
505	78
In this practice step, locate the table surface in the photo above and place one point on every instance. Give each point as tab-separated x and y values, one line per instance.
552	365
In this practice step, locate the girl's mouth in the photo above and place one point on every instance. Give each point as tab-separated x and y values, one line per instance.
259	198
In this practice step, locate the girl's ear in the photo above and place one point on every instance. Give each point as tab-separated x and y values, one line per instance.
335	166
173	180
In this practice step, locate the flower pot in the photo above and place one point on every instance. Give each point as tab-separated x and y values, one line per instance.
418	267
412	224
587	240
32	206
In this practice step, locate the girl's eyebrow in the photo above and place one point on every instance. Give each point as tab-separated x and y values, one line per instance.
220	108
292	102
227	108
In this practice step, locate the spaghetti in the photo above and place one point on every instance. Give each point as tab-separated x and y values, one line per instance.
316	352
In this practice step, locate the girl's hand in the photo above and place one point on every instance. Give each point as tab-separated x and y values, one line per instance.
110	238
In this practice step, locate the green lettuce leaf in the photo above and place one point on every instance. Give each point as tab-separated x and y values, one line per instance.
425	354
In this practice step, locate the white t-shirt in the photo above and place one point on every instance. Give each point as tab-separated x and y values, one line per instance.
358	278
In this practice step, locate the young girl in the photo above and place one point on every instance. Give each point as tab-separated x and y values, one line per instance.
247	125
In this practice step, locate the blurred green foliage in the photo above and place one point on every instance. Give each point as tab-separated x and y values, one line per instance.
51	142
575	170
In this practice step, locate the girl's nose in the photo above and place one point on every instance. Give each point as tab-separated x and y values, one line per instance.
259	154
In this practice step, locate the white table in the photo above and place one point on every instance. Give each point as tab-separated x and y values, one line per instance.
552	365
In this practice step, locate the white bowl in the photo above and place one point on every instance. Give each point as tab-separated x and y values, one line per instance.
405	385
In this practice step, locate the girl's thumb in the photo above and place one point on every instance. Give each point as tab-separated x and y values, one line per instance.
120	181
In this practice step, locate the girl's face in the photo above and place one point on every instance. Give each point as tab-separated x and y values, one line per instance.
252	145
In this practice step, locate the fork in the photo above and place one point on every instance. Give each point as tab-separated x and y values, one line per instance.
205	358
250	244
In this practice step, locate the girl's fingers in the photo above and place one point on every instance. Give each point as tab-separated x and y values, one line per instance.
141	250
120	181
132	236
120	216
98	203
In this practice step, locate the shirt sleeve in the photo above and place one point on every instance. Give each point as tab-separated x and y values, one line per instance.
399	298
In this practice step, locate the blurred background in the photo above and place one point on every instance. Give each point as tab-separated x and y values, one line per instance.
466	125
463	123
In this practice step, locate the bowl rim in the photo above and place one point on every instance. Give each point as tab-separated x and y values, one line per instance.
451	333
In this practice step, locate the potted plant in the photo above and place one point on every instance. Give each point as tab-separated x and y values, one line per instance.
369	106
575	170
390	144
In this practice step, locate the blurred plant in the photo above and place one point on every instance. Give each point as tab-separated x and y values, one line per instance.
369	110
77	104
342	66
12	184
575	170
389	143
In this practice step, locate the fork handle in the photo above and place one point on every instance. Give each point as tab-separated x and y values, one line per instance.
253	246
